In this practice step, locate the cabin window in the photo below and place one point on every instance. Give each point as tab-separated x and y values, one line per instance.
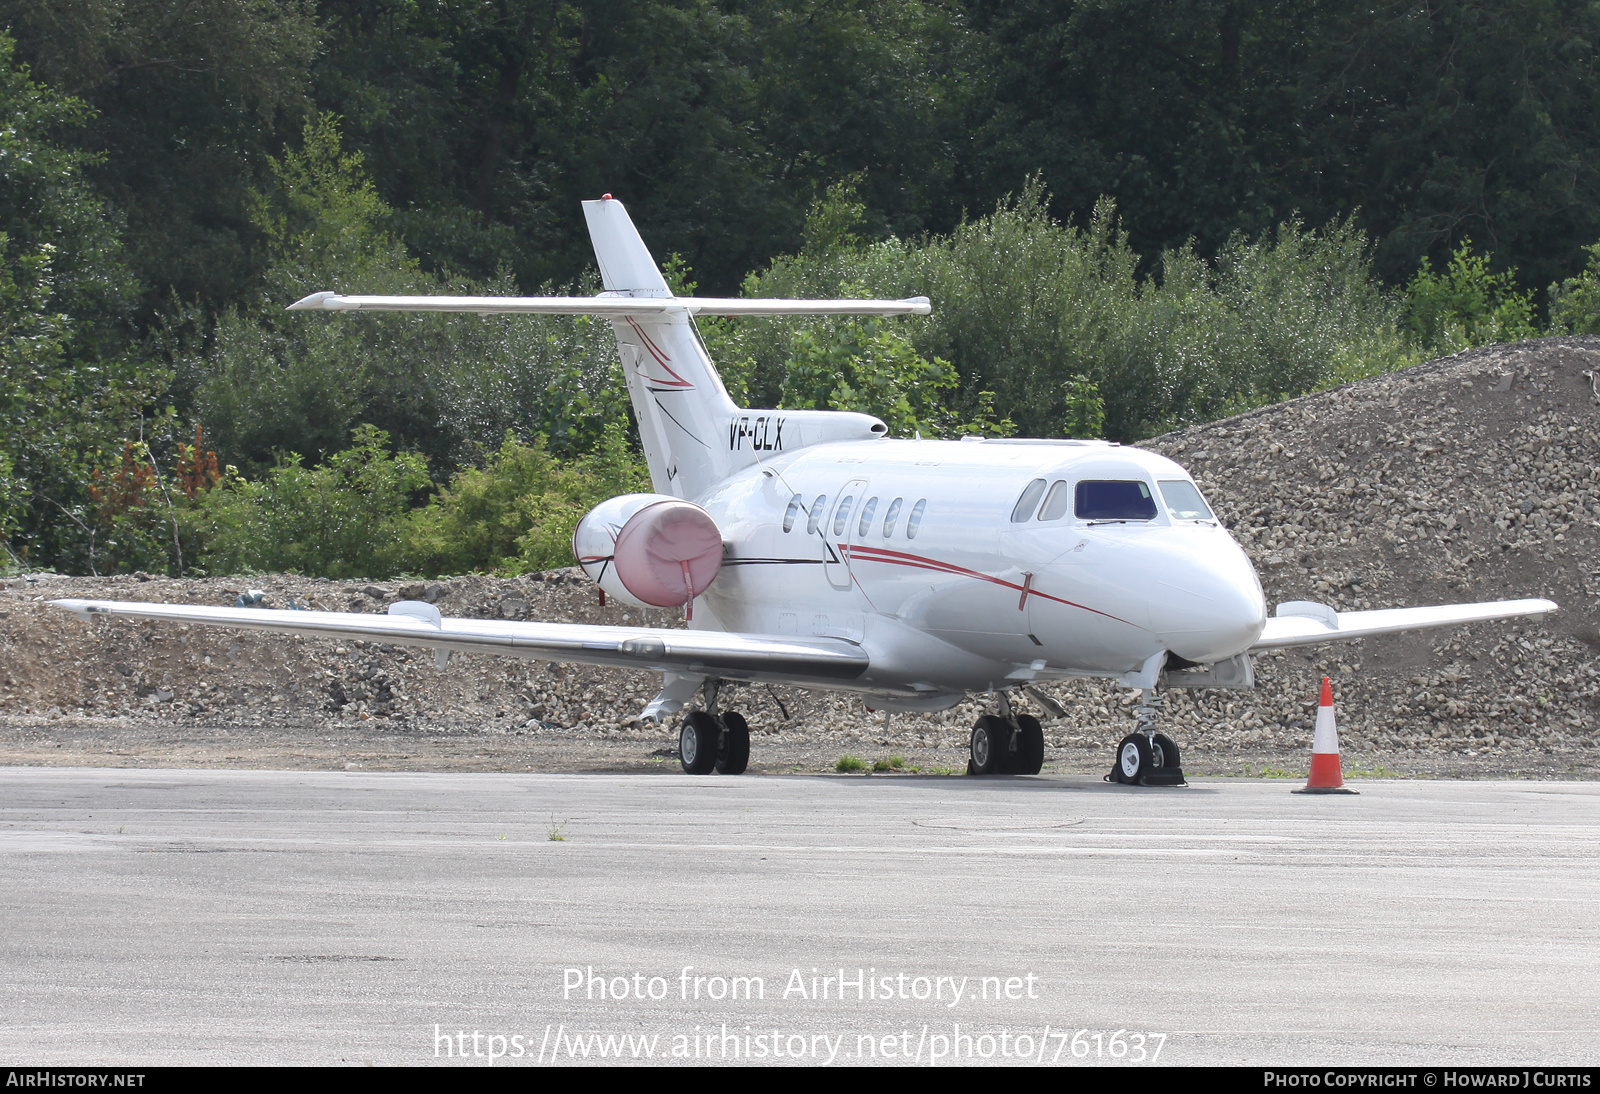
1055	502
866	517
1115	500
842	517
890	517
1184	501
819	507
914	521
791	513
1028	502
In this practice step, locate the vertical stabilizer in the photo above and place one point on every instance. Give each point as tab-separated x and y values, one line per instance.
682	407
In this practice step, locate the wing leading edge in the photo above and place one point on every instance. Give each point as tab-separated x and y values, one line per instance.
735	656
1302	623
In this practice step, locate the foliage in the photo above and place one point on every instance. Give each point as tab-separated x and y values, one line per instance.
1466	305
1057	322
68	384
872	370
276	381
1575	302
345	518
517	512
186	98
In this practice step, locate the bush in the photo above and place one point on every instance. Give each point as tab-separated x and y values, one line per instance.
1059	325
344	519
516	513
1575	302
1466	305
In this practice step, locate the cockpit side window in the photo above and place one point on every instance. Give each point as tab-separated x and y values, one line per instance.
1184	501
1028	502
1114	500
1055	503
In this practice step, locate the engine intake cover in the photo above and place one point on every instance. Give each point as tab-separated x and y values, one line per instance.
650	550
668	553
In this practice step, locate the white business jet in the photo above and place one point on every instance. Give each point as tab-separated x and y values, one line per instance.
809	548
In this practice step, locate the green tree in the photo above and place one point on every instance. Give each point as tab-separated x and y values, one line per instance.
276	381
68	386
187	97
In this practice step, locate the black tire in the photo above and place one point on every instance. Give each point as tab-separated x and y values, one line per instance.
734	755
1133	761
1030	745
1168	749
697	743
986	750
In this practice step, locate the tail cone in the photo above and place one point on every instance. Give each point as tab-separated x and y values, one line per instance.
1326	777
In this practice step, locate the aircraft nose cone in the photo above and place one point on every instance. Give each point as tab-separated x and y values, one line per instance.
1209	609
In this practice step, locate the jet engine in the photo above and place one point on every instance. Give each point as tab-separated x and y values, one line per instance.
649	550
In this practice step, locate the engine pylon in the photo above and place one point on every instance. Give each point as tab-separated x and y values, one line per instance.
1326	776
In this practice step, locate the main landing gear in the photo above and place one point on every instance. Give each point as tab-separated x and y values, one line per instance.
1145	757
1007	743
708	741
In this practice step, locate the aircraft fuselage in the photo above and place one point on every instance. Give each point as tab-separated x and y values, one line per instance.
920	552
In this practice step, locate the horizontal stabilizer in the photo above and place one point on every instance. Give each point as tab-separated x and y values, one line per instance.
739	656
1305	624
609	305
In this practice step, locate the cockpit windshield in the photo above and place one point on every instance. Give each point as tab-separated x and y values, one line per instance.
1114	500
1184	501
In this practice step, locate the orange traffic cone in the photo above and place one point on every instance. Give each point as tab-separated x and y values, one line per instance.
1326	777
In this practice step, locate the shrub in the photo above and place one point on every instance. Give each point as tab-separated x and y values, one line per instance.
516	513
1575	302
344	519
1465	305
1055	327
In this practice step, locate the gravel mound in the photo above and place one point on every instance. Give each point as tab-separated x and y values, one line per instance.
1474	477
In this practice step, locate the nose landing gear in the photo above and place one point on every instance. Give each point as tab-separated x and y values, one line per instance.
1145	757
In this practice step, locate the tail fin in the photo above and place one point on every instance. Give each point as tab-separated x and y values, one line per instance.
682	407
692	432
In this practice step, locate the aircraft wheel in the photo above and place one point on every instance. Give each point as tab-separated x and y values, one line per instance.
987	747
734	756
1134	760
697	743
1164	751
1030	745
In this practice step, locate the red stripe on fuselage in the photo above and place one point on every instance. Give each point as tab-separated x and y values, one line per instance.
900	558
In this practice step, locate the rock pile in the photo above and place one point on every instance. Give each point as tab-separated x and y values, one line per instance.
1474	477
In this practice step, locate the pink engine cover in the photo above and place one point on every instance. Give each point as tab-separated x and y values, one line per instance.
668	553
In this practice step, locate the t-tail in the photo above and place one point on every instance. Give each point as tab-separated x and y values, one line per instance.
693	433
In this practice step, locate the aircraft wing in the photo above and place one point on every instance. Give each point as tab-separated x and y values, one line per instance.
413	623
1302	623
610	305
